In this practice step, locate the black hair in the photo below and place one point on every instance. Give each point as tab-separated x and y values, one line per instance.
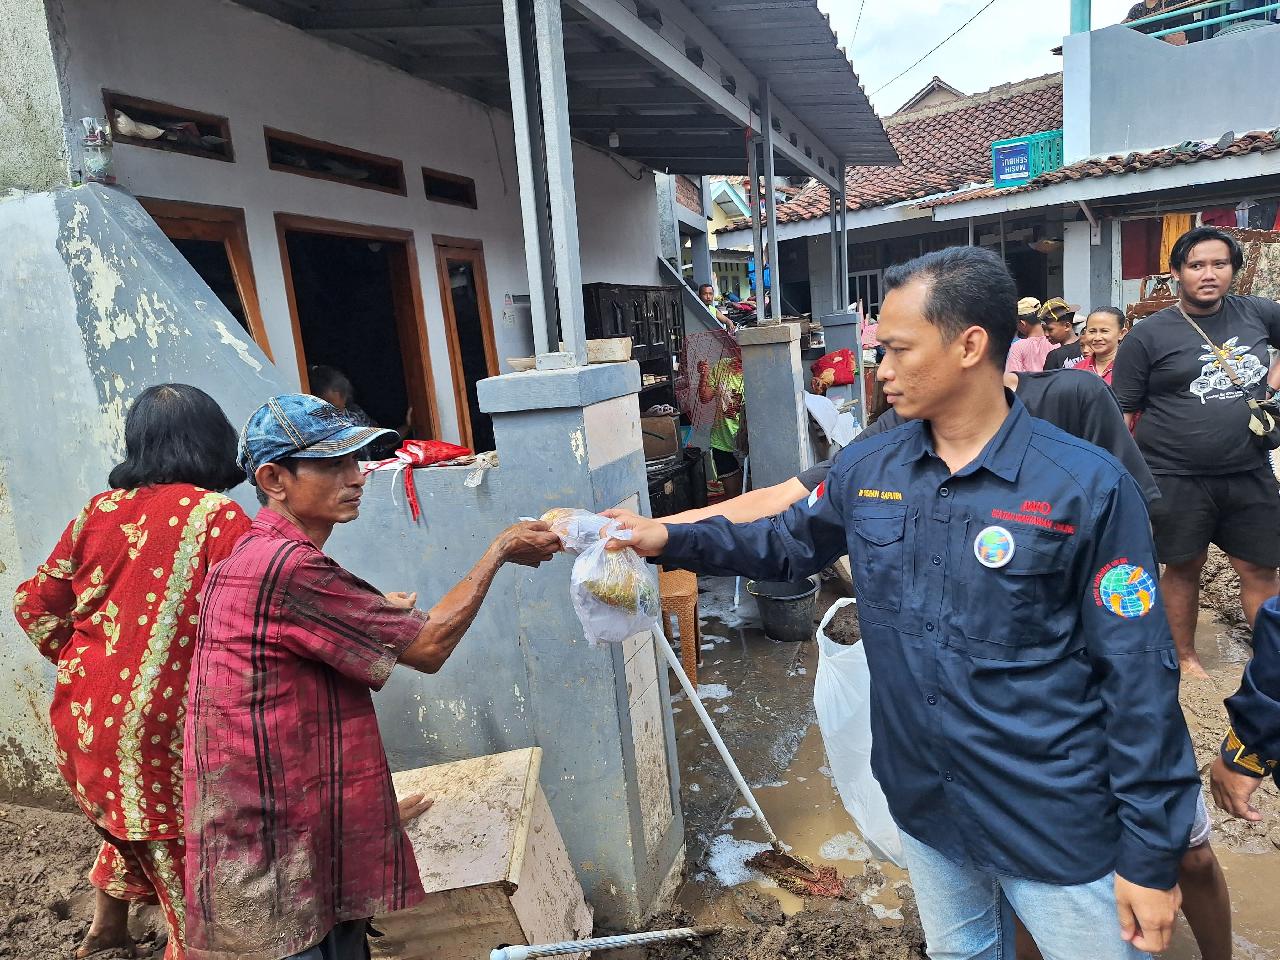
704	286
968	287
325	379
1114	312
177	433
1185	243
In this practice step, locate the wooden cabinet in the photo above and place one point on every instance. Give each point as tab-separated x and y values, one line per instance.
653	317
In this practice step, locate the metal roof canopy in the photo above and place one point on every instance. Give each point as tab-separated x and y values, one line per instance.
679	83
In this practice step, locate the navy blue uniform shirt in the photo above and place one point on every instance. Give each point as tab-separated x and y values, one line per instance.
1024	703
1253	745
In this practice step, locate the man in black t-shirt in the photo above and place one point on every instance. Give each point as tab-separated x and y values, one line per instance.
1191	422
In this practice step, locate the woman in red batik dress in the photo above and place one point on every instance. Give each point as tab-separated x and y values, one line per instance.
114	607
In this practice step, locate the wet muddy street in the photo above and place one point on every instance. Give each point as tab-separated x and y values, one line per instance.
763	705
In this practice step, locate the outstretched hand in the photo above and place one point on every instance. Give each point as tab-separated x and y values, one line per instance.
648	537
528	543
404	601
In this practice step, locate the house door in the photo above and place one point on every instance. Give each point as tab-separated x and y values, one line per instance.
357	307
464	295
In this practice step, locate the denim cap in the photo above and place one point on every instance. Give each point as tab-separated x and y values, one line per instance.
300	425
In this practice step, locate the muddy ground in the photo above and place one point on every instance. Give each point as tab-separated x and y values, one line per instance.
46	900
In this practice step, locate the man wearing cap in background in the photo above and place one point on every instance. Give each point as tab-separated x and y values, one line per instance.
293	831
1027	355
1060	327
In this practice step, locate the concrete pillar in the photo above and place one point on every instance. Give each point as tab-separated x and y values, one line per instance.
1081	16
821	277
36	149
843	331
777	422
524	676
668	231
1089	270
701	244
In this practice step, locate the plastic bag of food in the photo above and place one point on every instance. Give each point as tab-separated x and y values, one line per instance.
615	593
577	529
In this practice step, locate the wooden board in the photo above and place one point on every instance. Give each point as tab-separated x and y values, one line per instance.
492	862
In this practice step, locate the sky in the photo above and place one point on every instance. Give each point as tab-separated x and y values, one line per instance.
1009	41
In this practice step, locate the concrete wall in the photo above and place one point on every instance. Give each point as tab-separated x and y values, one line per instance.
95	306
33	149
216	56
1126	91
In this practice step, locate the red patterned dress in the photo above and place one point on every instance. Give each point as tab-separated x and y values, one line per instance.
115	608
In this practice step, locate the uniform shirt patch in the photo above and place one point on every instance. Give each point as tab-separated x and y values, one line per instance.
1125	589
818	493
994	547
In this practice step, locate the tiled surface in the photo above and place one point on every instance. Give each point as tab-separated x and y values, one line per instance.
942	148
1258	141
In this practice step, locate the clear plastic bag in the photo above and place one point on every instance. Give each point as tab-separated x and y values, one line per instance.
577	529
615	593
842	700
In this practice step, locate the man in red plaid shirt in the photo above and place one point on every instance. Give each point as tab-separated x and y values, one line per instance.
293	831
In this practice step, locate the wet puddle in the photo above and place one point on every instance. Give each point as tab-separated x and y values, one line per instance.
780	748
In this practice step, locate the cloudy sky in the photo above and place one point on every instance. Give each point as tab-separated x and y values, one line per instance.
1009	41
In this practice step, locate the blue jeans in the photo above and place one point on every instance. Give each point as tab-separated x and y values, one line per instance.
967	912
347	941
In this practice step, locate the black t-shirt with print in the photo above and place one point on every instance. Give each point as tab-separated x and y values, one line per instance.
1064	357
1195	422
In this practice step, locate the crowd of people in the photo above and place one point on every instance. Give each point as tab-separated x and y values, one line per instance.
1006	527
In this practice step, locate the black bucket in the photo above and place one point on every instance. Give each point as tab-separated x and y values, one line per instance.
787	609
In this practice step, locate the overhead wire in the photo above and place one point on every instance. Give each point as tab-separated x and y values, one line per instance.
857	24
939	46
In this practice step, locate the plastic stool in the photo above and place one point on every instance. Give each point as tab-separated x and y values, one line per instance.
678	590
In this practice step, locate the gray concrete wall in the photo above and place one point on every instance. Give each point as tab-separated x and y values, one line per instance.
773	380
259	72
33	149
1089	271
1129	91
95	306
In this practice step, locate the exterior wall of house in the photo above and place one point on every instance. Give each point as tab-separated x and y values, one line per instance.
224	59
1152	94
98	305
33	149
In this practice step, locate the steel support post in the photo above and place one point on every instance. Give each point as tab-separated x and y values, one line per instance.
835	254
843	249
757	239
771	207
531	165
561	194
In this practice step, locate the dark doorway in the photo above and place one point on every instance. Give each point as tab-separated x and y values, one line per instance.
213	240
1030	271
353	296
464	293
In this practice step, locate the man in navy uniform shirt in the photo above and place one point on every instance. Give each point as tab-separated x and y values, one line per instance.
1027	731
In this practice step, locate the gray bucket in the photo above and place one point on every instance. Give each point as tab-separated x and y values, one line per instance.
787	609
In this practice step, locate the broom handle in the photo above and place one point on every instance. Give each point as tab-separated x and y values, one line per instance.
674	662
601	943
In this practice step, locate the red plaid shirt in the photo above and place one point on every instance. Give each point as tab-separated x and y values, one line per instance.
292	824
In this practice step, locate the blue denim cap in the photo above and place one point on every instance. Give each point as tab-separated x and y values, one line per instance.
300	425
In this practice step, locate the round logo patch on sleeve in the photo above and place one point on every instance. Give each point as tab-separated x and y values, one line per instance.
1126	590
994	547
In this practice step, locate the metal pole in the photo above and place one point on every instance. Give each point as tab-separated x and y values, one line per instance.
1081	16
971	231
561	194
1002	236
844	240
771	207
835	256
757	239
531	165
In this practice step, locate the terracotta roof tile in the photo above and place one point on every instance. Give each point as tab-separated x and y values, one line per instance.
1258	141
942	148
